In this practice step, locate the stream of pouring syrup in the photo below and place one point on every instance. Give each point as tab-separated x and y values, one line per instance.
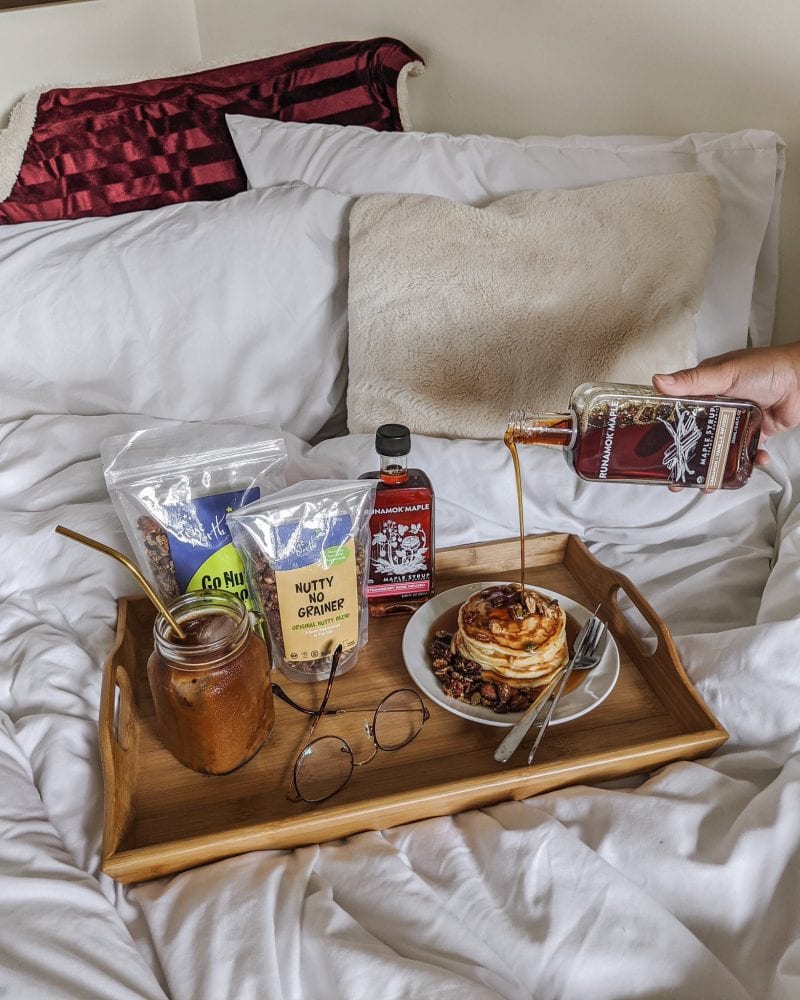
571	625
511	444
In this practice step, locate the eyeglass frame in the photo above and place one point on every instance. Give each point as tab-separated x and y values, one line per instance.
293	793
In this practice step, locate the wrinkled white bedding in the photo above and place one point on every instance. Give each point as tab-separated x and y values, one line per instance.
681	884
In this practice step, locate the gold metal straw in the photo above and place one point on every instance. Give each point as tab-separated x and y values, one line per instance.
85	540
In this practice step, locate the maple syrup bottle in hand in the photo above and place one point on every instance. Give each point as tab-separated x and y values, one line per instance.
401	571
632	434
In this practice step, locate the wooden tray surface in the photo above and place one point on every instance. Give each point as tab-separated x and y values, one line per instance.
160	817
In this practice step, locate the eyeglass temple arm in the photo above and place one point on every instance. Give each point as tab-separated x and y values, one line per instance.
278	691
337	653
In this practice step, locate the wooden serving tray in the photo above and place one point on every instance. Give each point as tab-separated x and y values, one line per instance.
160	817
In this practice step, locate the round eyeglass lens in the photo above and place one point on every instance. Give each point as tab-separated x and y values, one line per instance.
398	719
323	768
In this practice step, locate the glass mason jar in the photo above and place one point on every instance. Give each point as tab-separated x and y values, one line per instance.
211	690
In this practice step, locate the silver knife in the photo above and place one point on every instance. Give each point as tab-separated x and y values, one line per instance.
545	722
519	730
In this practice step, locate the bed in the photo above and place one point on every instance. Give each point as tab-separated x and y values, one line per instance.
194	304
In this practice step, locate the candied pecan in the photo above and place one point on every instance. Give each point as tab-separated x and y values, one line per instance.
458	687
440	644
519	701
468	668
503	693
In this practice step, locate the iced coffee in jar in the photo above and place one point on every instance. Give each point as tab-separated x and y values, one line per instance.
211	689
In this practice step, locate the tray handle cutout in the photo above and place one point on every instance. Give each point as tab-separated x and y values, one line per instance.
123	700
659	660
605	585
635	620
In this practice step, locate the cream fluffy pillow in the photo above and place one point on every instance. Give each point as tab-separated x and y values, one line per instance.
460	314
478	169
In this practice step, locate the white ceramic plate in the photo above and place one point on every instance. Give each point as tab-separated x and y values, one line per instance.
595	687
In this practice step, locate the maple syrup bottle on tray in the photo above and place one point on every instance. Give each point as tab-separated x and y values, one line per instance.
401	572
632	434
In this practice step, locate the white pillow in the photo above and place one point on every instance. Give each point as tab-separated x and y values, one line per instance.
742	280
196	311
458	314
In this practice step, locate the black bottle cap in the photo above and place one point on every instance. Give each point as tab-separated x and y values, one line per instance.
393	440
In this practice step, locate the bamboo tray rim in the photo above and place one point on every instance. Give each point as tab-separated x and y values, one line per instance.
439	796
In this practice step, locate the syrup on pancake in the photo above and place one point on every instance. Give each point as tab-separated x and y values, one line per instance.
507	643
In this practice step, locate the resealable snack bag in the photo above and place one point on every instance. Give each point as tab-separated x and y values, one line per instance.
306	552
173	487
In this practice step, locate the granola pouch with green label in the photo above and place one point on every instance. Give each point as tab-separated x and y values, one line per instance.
173	487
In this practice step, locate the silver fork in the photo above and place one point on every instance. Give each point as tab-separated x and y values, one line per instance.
519	731
590	655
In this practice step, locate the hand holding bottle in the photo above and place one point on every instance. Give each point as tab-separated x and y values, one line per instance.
634	434
769	376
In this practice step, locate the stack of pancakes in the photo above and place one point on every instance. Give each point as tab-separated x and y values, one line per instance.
516	638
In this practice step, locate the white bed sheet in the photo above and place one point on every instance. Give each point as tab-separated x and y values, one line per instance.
680	884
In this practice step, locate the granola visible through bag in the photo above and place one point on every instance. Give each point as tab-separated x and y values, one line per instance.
305	551
173	488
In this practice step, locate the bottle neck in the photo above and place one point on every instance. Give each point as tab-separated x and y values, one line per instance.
555	430
394	469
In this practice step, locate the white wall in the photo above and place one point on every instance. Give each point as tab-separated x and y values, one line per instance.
93	41
510	67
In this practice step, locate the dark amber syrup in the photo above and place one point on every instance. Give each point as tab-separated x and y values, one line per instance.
407	479
558	432
571	625
511	444
639	450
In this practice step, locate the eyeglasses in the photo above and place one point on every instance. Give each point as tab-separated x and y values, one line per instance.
325	765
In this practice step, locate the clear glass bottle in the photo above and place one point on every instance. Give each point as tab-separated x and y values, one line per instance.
211	690
632	434
401	574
